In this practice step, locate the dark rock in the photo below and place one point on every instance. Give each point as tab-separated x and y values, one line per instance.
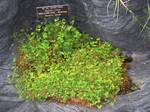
26	107
123	32
7	12
5	106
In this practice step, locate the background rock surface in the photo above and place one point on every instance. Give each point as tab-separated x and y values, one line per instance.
8	9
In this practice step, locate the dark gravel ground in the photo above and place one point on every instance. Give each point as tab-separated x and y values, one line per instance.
138	101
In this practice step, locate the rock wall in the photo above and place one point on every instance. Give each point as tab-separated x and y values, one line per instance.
123	33
8	9
91	16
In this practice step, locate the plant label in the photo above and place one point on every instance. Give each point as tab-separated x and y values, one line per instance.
52	11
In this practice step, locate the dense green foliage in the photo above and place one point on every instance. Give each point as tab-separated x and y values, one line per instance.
58	61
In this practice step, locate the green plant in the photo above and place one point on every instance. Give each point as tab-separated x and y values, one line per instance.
148	18
58	62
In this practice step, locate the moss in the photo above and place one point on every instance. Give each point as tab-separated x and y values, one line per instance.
58	62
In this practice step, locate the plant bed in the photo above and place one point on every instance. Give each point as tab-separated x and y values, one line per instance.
59	63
